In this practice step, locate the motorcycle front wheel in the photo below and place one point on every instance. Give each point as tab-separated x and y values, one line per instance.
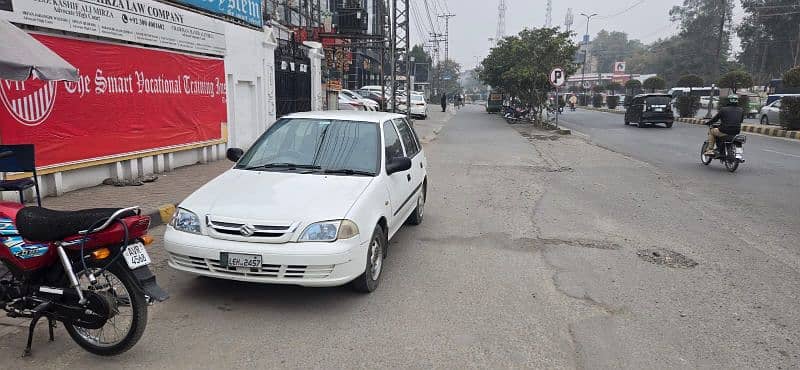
704	159
127	316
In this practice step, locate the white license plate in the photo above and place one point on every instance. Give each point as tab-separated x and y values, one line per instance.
136	256
659	109
240	260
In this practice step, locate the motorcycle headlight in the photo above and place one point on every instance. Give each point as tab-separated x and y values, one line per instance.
185	221
328	231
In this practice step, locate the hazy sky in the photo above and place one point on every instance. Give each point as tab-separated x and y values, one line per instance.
476	20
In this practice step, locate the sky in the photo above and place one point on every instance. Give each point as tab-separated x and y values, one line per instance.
476	20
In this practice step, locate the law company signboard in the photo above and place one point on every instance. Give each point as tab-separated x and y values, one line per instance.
249	11
143	21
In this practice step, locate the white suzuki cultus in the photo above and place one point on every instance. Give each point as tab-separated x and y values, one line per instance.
313	202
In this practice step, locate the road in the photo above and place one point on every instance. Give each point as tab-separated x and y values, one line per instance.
766	185
535	252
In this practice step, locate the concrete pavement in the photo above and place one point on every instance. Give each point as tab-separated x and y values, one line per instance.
537	251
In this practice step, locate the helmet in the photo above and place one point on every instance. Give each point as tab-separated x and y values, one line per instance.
733	99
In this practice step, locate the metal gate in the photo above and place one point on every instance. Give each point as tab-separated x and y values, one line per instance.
292	78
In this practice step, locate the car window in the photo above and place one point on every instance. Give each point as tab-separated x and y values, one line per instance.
391	141
777	104
658	100
328	144
407	136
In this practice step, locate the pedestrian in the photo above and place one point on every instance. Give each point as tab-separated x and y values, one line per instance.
444	102
572	101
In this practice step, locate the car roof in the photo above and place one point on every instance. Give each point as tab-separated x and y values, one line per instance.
653	95
364	116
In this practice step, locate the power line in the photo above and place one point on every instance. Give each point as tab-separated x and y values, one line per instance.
640	2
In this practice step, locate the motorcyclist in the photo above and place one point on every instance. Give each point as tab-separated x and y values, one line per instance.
731	116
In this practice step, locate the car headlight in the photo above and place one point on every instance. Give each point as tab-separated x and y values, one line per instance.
185	221
328	231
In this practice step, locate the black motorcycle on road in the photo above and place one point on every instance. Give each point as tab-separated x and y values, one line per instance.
730	151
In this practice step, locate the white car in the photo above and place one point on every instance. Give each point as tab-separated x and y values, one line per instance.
370	104
314	202
419	107
346	103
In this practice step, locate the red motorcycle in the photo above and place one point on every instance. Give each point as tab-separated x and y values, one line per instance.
87	269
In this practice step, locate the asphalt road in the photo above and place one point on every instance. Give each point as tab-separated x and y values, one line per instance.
529	256
766	184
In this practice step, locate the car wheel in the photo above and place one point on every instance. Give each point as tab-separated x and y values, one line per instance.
627	123
370	279
669	124
640	124
416	217
764	120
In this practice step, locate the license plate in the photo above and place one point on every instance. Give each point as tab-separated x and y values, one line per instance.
738	150
240	260
659	109
136	256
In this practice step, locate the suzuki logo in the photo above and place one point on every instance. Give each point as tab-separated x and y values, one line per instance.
29	102
247	230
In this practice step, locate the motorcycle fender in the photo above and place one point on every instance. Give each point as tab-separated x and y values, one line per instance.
147	282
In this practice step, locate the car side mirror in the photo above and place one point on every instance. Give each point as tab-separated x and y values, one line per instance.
234	154
398	164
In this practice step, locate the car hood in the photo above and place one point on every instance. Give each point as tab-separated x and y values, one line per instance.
277	196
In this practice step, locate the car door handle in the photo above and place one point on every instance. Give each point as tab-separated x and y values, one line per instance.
408	177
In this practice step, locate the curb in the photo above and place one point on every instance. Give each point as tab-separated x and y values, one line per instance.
161	215
756	129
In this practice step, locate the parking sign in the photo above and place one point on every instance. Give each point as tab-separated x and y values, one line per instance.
557	77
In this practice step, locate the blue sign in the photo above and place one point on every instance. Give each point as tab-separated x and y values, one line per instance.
247	10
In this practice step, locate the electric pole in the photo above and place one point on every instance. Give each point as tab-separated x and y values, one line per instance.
718	70
569	19
585	51
548	15
501	21
447	34
400	49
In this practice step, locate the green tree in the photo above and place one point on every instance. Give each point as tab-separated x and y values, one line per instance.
614	46
690	81
767	47
448	73
792	77
654	83
633	87
736	79
702	23
520	64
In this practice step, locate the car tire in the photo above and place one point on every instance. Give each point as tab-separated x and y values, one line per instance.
764	120
640	124
626	122
376	250
419	212
669	124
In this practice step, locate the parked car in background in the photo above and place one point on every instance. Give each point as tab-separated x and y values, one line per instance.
650	109
773	97
770	113
376	96
370	104
345	103
314	202
419	107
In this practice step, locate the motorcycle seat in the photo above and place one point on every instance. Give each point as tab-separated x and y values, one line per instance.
47	225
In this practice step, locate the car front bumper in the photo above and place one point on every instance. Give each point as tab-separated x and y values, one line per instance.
419	110
305	264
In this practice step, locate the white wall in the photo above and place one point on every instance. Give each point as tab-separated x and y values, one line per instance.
250	76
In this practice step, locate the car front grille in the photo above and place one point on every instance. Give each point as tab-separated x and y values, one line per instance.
260	232
267	271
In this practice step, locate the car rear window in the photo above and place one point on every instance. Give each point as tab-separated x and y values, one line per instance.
658	100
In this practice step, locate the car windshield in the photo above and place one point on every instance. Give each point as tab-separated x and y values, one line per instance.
417	98
317	145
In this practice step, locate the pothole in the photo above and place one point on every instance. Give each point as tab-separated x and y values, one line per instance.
666	257
544	137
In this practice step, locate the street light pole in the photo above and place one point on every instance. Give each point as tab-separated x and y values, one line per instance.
585	51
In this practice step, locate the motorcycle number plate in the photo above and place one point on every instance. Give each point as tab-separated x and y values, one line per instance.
136	256
738	150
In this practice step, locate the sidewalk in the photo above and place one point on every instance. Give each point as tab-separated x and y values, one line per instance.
170	189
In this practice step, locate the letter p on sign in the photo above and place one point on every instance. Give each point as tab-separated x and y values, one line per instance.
557	77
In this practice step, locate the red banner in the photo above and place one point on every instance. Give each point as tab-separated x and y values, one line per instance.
128	99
